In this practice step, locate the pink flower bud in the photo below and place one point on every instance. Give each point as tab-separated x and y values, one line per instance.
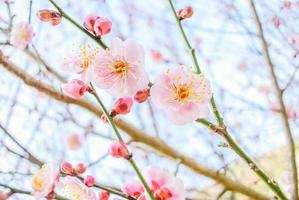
185	13
66	168
102	26
89	22
53	17
104	195
80	168
123	105
44	15
89	181
141	96
74	88
119	150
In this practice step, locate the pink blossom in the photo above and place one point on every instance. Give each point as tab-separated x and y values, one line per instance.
75	141
5	195
43	182
53	17
81	62
74	88
141	96
89	181
118	149
80	168
104	195
119	70
123	106
21	35
66	168
133	189
185	13
74	188
163	184
102	26
156	55
89	22
181	91
97	25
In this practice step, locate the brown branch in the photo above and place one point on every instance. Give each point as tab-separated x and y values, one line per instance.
134	133
279	96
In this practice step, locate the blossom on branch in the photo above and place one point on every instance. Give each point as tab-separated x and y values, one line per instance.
120	70
21	35
183	95
44	181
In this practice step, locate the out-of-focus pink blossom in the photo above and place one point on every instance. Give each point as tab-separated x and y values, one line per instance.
141	96
118	149
43	181
89	181
67	168
291	112
53	17
276	21
74	88
286	5
104	195
123	105
156	55
163	184
102	26
21	35
5	195
89	22
80	168
185	13
74	188
133	189
183	95
75	141
120	70
264	90
81	62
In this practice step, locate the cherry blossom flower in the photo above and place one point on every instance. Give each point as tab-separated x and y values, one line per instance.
89	181
141	96
118	149
123	106
163	184
104	195
185	13
75	141
53	17
67	168
119	70
43	182
81	62
21	35
97	25
74	188
5	195
80	168
133	189
74	88
102	26
183	96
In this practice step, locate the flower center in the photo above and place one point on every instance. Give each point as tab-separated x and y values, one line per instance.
182	93
163	194
87	56
120	66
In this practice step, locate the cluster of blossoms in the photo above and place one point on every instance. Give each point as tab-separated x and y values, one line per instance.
48	181
120	71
